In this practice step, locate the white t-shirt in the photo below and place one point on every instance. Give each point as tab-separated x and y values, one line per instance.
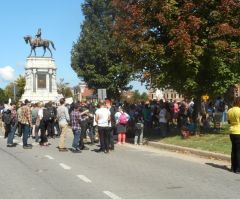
103	115
40	113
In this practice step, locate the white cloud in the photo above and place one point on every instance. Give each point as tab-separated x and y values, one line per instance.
7	73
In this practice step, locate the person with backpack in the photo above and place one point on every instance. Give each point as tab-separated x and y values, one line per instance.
13	126
6	118
112	127
219	109
139	126
121	118
34	112
50	117
43	124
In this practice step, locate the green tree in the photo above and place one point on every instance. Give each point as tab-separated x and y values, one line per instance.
63	88
144	96
3	96
95	56
190	46
17	87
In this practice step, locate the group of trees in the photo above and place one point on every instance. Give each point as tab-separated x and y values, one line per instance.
190	46
13	90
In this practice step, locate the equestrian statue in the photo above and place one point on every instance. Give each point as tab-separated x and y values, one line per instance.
39	42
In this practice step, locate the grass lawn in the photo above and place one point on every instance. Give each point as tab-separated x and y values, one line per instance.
214	141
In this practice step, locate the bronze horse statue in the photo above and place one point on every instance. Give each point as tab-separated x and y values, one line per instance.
34	43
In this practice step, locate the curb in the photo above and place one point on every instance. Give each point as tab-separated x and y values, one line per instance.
205	154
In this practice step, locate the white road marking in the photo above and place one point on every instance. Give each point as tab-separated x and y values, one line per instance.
15	141
84	178
49	157
64	166
1	136
20	143
111	195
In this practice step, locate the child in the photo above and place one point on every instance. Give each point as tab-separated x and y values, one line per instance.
138	139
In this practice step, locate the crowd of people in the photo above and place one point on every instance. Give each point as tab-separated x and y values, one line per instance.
42	122
103	120
106	119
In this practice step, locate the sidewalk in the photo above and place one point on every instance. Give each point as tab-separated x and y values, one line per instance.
186	150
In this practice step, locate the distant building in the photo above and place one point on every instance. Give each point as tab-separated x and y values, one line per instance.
127	95
237	90
81	92
164	94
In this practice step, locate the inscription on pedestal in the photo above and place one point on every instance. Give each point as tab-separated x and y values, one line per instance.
42	81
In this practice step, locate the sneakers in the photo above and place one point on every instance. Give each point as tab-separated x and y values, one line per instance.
76	150
28	146
11	145
63	149
84	148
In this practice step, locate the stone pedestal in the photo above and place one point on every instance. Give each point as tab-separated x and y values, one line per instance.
40	74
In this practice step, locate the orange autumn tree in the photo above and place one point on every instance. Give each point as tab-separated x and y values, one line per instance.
191	46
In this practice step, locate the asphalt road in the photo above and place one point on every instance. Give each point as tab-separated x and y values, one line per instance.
128	172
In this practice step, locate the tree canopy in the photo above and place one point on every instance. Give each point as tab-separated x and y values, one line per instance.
95	56
19	88
191	46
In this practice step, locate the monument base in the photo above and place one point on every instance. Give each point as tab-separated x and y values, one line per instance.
40	74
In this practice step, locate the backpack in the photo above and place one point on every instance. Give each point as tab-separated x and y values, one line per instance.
221	106
48	114
7	117
123	119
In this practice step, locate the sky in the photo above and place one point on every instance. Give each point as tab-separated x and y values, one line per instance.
60	21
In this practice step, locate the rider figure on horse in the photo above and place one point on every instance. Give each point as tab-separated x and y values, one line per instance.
38	36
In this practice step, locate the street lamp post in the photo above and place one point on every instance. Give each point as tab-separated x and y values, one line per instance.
14	91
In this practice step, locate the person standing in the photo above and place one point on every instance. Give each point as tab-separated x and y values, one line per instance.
75	117
6	118
112	124
234	121
103	120
121	118
13	126
26	121
63	118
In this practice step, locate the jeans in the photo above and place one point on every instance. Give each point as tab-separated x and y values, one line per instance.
25	132
76	138
11	134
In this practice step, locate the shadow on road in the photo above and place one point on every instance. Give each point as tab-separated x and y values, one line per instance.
224	167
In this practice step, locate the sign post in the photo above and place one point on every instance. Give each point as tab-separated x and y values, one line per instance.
102	94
